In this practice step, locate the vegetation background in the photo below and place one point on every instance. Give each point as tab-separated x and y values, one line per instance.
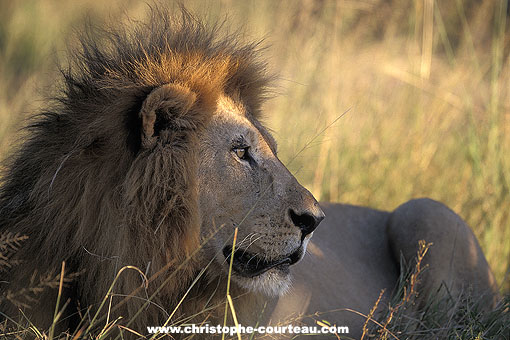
424	85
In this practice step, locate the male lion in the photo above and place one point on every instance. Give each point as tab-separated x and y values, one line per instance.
151	157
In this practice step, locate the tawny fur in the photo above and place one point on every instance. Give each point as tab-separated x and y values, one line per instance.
100	183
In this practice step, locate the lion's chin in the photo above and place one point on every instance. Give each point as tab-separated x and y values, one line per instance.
274	282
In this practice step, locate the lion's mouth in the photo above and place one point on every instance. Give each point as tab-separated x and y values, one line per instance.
250	265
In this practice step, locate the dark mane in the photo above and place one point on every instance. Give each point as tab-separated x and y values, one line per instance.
85	186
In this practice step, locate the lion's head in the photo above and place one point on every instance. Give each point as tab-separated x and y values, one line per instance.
155	145
243	184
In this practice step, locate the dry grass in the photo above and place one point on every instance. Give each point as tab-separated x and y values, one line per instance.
426	84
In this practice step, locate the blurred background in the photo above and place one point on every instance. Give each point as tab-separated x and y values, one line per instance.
378	101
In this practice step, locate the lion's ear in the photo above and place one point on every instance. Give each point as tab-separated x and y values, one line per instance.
166	107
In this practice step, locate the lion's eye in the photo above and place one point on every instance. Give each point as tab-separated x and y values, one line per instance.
242	153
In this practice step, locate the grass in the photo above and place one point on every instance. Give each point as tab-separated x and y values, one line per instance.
439	317
425	83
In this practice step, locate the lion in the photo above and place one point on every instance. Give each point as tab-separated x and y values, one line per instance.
152	157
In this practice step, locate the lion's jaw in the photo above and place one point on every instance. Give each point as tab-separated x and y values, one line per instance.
243	185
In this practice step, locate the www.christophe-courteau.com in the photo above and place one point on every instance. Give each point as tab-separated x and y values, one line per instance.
239	329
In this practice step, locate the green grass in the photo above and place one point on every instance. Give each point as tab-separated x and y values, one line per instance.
426	86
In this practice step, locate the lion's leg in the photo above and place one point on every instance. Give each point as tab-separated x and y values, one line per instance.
455	258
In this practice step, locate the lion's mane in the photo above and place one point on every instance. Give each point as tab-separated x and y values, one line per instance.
89	187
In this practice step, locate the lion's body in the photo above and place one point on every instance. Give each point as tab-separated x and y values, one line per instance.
355	254
153	155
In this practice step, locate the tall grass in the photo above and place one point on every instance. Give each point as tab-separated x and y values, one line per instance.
426	84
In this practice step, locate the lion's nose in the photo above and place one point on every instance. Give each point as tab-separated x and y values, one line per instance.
306	221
